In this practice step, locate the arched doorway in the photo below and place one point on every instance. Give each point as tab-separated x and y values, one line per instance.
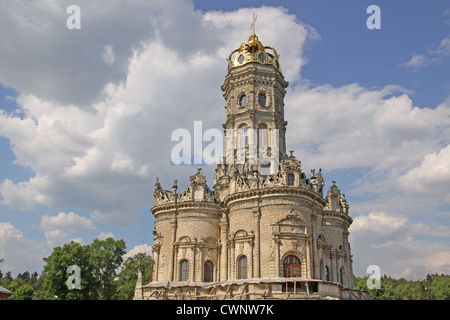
292	267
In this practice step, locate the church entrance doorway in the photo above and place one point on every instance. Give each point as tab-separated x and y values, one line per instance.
292	267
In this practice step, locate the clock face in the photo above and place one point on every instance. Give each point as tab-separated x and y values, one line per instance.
262	100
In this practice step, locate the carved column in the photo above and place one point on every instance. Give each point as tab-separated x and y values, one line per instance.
156	250
224	252
314	256
173	224
277	257
251	264
194	261
233	261
308	257
257	214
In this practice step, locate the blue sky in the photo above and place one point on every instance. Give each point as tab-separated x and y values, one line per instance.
86	117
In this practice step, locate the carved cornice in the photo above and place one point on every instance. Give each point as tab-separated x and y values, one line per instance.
186	205
283	191
326	214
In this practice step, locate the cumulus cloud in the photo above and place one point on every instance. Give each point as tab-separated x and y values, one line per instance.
64	227
140	248
20	254
431	177
391	241
353	126
104	159
105	235
41	56
433	56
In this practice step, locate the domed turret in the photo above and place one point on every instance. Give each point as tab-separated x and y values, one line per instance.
253	51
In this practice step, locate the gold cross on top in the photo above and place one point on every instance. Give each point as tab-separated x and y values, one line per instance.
255	17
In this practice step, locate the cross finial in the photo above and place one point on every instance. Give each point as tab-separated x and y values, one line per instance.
252	26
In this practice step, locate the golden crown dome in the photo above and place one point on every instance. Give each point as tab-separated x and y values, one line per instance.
253	51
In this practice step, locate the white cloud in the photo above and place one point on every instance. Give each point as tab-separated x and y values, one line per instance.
104	159
433	56
21	196
34	40
388	240
431	177
108	54
64	227
140	248
352	126
19	253
105	235
379	222
418	61
444	47
447	14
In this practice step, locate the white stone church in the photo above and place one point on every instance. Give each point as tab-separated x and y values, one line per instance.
266	230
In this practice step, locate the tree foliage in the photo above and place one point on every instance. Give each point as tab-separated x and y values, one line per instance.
98	263
107	258
56	276
433	287
128	275
103	273
24	292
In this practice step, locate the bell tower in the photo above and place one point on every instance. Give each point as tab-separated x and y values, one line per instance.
254	91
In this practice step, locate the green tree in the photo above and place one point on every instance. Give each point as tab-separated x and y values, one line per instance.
98	265
55	273
434	287
24	292
107	258
440	287
128	275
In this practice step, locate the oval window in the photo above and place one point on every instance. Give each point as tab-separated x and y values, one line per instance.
262	57
262	100
241	59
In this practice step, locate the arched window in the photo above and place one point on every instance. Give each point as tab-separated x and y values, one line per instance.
262	135
208	271
290	179
242	267
327	273
341	275
184	270
243	136
292	267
